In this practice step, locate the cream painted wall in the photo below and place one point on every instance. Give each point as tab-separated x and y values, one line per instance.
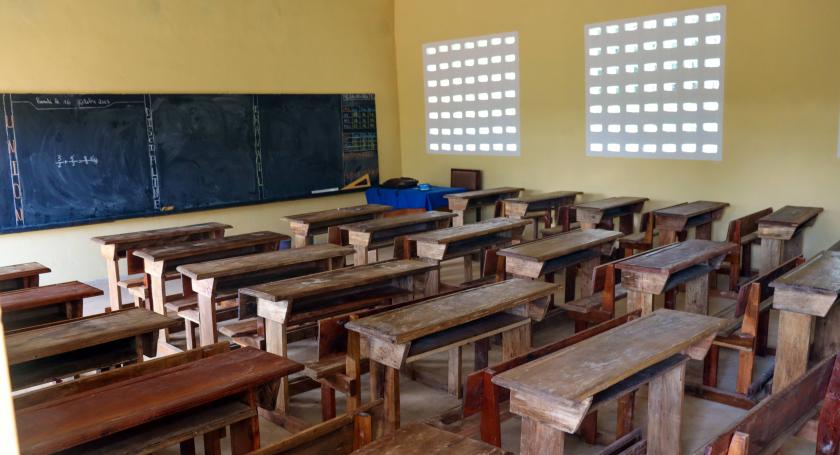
195	46
781	107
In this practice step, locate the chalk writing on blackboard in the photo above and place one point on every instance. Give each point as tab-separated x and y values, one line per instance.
85	160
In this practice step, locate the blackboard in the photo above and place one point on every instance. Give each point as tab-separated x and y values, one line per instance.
74	159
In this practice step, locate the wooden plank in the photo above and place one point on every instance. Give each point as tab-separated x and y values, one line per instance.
691	209
93	414
333	217
158	234
665	409
424	439
611	203
12	272
631	348
207	246
561	244
790	215
676	257
792	349
478	194
542	197
336	280
23	299
261	261
460	233
382	224
412	322
820	275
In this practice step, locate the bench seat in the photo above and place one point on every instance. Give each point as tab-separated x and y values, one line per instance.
590	303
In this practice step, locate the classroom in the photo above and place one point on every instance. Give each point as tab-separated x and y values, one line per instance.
420	227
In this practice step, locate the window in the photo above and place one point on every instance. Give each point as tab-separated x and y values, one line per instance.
654	86
472	95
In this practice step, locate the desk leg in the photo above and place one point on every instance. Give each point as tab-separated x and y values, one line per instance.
353	370
459	218
667	237
454	378
74	309
639	300
665	406
516	342
213	442
275	343
625	224
697	295
793	247
112	264
703	232
301	240
585	225
540	439
792	350
585	270
771	254
360	257
827	335
468	268
245	434
158	285
206	320
392	399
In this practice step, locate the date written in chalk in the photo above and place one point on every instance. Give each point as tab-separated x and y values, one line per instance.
85	160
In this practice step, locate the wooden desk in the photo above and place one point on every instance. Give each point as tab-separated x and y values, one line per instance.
459	203
550	203
581	249
157	261
446	323
116	246
307	225
322	295
602	212
699	215
122	407
555	393
21	276
34	306
656	271
810	291
44	353
367	236
781	234
212	281
424	439
464	241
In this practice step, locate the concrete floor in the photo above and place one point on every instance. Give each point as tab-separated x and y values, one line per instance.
702	420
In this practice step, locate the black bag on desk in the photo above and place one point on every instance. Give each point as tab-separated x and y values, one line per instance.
399	183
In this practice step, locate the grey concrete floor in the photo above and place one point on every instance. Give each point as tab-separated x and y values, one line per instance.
702	419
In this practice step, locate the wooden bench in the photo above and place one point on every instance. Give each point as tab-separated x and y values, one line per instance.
305	226
781	234
554	394
630	244
742	231
20	276
158	408
680	218
217	281
746	331
41	305
57	350
805	298
459	203
445	324
598	302
368	236
602	213
545	206
116	246
788	412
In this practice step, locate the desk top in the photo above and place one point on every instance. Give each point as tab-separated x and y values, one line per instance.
336	280
431	316
559	245
477	194
611	203
159	234
469	231
424	439
23	299
75	334
382	224
790	215
100	412
675	257
691	209
241	265
11	272
586	368
554	195
338	215
199	247
811	288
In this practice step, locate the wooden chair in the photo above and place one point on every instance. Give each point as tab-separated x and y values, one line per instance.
744	232
747	331
469	179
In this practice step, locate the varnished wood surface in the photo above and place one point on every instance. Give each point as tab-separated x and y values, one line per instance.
692	209
424	439
820	275
338	215
157	234
676	257
478	194
414	321
73	420
393	222
336	280
263	261
559	245
22	299
199	247
584	369
66	336
469	231
11	272
790	215
611	203
542	197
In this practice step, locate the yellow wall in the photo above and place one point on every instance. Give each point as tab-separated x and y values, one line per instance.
782	95
189	46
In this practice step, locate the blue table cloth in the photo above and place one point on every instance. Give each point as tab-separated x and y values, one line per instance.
411	198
